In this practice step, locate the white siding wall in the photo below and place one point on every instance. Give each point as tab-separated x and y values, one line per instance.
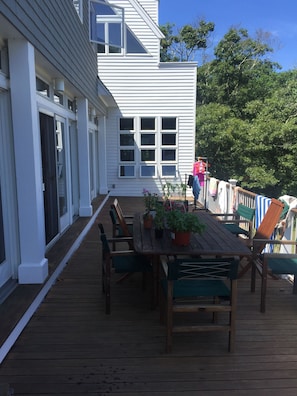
142	87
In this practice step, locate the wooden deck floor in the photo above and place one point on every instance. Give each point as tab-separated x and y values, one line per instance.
70	347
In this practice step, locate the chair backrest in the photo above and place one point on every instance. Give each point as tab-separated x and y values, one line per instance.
101	228
268	224
105	246
121	219
245	212
203	269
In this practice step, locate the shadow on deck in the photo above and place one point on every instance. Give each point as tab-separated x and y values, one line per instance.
71	347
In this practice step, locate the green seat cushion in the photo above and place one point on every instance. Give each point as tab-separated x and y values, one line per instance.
235	229
131	263
197	288
283	265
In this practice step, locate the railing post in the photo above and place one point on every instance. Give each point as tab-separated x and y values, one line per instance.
232	183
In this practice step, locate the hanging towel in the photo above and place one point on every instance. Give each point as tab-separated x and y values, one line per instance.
262	204
213	187
222	196
196	188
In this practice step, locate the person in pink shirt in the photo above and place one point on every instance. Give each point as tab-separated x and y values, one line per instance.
199	169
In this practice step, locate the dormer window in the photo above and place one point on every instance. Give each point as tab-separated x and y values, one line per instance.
109	31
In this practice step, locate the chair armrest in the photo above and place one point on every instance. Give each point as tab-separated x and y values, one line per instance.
280	255
120	239
275	241
114	253
223	214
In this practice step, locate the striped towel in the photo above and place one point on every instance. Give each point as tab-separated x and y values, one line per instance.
262	204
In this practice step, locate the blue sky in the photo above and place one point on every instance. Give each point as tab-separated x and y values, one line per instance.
277	17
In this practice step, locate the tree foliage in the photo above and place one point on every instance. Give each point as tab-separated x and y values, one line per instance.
246	116
184	45
246	108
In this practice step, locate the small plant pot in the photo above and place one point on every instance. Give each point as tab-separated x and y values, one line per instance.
147	221
181	238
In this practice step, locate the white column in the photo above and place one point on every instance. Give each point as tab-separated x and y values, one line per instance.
102	163
33	267
85	207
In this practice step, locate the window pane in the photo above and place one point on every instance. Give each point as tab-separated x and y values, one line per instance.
168	139
133	45
115	36
42	87
101	48
127	155
168	155
100	32
127	170
126	140
147	124
168	170
148	139
126	124
148	171
168	123
114	50
147	155
58	98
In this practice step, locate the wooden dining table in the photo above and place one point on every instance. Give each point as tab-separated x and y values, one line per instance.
215	240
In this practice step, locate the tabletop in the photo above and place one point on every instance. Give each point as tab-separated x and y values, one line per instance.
215	240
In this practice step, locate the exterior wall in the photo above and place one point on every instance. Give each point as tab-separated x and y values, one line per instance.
56	32
44	39
143	87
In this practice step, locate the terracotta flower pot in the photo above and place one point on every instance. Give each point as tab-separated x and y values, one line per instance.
181	238
147	221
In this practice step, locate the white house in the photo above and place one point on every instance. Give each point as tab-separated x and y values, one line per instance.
67	135
151	134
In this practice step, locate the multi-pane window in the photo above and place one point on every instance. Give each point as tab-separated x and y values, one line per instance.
168	146
146	145
148	155
109	31
127	148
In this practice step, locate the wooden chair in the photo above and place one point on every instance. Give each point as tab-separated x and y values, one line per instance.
117	231
243	216
264	231
274	265
186	282
119	261
121	221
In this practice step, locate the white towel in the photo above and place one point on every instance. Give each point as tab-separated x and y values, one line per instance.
262	204
213	187
222	196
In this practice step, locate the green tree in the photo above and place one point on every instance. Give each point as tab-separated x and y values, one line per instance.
183	45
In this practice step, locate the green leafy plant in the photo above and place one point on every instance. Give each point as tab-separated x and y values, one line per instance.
184	222
150	200
160	216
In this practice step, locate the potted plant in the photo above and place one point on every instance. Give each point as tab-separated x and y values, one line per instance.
182	224
159	220
150	203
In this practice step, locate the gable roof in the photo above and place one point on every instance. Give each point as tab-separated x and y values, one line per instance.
147	19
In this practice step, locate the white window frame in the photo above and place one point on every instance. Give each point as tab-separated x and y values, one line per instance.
78	5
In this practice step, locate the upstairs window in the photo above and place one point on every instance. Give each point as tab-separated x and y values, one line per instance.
109	31
106	24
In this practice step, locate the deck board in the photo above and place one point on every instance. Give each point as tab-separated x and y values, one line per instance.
71	347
